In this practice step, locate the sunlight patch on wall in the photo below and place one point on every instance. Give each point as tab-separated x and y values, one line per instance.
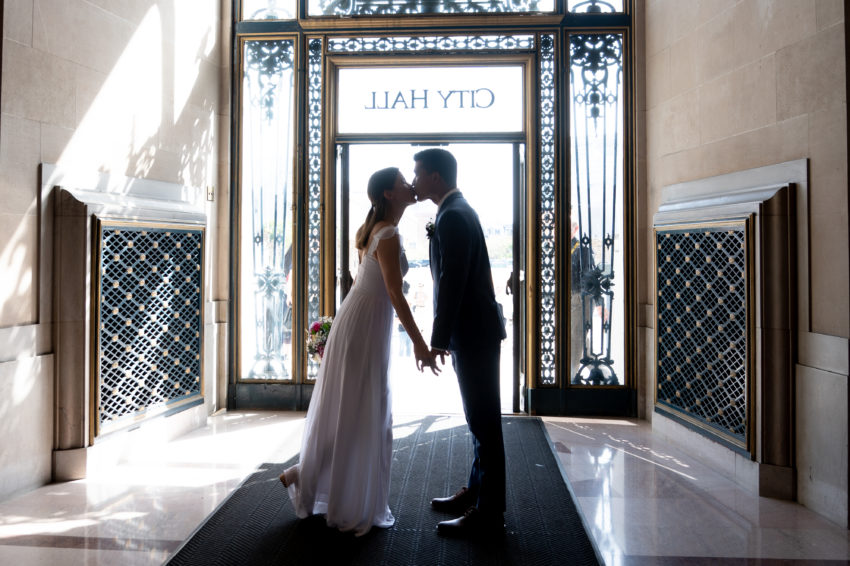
23	380
17	258
195	41
120	131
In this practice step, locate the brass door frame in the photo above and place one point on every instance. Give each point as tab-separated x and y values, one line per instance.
236	208
554	27
516	282
332	138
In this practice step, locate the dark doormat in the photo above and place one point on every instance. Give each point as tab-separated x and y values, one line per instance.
256	525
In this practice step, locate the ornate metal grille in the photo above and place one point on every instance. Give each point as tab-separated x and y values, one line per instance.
265	63
266	196
285	9
315	57
702	327
596	68
546	204
149	324
413	7
424	44
269	9
594	6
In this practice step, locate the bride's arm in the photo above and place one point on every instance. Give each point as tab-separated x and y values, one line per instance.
388	254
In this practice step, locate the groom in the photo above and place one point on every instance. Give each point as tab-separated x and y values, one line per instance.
468	325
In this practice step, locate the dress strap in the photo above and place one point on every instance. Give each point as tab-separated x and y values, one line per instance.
382	234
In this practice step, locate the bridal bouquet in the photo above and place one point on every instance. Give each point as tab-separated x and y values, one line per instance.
317	335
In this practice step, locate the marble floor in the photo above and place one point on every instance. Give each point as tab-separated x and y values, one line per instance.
644	500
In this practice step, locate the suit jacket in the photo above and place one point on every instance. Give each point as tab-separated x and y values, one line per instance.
466	313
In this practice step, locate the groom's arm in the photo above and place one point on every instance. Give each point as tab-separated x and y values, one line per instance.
453	237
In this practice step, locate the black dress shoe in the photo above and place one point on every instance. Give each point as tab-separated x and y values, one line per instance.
473	523
457	503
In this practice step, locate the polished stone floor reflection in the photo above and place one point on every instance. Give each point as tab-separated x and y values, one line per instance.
644	500
141	511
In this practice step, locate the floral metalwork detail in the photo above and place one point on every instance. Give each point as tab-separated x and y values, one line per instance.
595	283
596	57
274	323
594	7
266	197
413	7
596	292
269	9
314	177
596	68
546	143
421	44
265	62
546	200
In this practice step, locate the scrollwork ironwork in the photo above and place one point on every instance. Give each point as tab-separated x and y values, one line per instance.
266	189
596	57
546	203
596	66
314	176
593	7
265	62
447	43
546	141
430	43
414	7
274	323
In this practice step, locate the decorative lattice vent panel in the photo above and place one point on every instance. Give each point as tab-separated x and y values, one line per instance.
702	328
149	321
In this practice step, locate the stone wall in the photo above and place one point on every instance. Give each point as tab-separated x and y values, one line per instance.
132	89
739	84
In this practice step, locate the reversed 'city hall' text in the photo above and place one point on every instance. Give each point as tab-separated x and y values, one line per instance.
399	100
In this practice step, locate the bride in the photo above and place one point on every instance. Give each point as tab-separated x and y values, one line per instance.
346	451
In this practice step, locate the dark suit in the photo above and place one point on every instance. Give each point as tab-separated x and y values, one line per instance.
468	322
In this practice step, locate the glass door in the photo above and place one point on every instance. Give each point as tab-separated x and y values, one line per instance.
598	376
265	247
488	176
571	293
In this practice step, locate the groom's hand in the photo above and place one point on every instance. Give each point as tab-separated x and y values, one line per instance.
442	353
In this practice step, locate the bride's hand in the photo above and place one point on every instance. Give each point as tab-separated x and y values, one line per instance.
424	359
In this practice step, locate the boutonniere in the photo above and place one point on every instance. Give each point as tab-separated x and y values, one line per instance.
429	229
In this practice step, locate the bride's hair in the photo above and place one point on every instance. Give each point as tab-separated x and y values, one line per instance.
380	181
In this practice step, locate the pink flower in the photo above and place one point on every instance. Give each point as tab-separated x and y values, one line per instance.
315	326
321	349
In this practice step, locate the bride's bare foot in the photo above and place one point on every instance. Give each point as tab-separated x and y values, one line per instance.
289	476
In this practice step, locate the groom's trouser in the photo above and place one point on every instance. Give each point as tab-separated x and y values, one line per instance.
477	372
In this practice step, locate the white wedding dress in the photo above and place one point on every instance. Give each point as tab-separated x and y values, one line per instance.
346	451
